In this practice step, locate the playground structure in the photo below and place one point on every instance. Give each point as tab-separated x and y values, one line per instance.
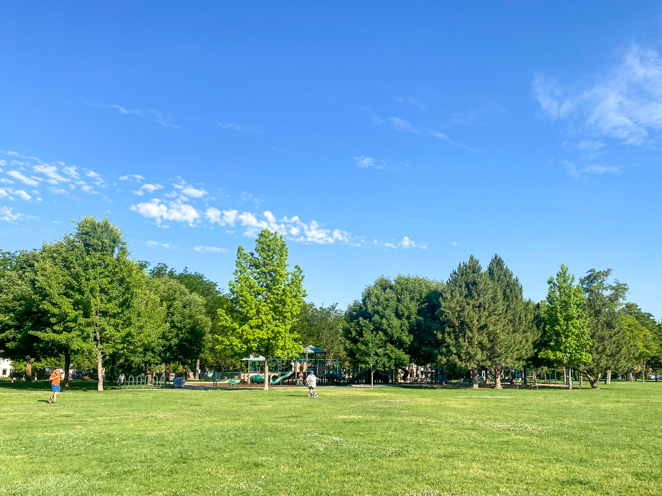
287	371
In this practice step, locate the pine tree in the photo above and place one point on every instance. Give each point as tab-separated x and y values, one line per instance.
511	328
466	309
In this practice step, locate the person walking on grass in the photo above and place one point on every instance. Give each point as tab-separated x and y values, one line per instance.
311	381
55	378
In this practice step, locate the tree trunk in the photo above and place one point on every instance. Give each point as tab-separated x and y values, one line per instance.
630	377
524	381
166	374
266	374
581	378
565	375
197	369
99	361
608	376
372	377
67	364
593	380
474	378
570	380
643	373
497	377
28	370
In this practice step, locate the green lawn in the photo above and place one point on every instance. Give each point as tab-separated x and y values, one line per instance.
348	441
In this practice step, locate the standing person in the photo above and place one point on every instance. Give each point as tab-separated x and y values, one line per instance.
55	378
311	380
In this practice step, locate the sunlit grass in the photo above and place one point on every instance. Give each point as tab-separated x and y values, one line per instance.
349	441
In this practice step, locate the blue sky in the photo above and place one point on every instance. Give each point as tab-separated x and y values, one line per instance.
380	138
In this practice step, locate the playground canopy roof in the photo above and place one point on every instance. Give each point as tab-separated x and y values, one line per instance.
313	349
253	358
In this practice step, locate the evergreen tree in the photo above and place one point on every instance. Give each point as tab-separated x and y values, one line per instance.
569	341
466	311
265	299
511	329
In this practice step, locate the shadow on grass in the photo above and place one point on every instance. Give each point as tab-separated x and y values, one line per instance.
45	385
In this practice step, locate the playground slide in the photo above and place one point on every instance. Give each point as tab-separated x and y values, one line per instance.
282	378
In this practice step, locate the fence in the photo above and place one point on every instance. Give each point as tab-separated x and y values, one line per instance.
144	382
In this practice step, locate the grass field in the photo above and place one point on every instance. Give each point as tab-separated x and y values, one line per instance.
349	441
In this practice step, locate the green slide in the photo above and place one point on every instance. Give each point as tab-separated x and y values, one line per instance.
282	378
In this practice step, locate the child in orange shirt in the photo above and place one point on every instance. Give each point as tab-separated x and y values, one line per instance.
55	378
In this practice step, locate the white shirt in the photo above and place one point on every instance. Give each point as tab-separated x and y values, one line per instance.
311	380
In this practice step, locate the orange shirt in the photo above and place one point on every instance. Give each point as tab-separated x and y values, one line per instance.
55	378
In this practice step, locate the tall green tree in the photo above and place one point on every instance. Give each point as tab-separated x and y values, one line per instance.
183	338
90	288
265	299
387	315
323	327
567	330
466	311
643	331
610	343
511	330
214	299
21	315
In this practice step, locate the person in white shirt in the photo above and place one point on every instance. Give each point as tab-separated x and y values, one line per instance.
311	381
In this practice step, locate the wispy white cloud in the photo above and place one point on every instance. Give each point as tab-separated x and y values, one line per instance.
160	211
447	139
209	249
23	195
7	214
188	191
623	104
413	101
401	125
148	188
369	163
95	177
136	178
292	228
30	181
193	192
240	128
51	172
155	115
573	170
156	244
406	243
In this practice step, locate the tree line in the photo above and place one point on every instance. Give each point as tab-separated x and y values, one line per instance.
83	300
478	319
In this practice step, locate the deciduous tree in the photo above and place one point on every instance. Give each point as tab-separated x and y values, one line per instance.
567	331
265	299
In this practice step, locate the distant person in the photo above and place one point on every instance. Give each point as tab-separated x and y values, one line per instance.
311	381
55	378
120	381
